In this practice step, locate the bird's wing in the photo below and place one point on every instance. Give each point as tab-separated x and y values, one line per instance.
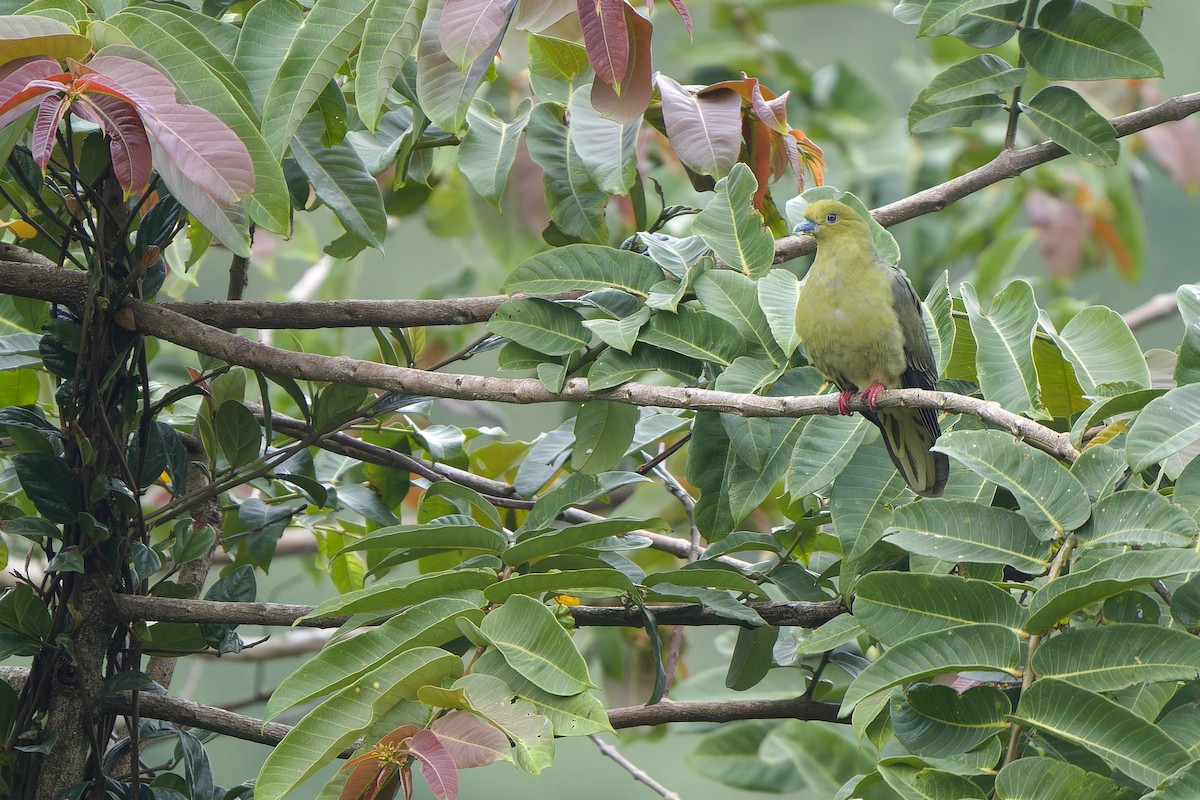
920	367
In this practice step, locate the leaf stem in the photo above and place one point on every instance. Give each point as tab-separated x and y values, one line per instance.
1014	108
1056	568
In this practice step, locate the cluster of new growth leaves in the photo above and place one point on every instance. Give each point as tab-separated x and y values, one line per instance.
1059	40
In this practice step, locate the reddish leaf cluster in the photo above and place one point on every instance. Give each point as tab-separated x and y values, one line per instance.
617	40
136	107
711	128
456	741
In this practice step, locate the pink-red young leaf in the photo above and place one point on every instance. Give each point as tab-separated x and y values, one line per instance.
128	144
201	146
30	35
684	15
606	38
471	743
25	100
370	781
772	112
469	27
16	75
437	765
626	102
705	131
406	782
50	113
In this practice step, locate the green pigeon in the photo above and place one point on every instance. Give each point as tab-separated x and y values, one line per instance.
862	326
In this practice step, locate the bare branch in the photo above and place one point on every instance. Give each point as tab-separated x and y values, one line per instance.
806	614
1158	307
636	772
1008	164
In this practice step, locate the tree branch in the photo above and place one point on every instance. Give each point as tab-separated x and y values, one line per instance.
250	729
805	614
1008	164
1158	307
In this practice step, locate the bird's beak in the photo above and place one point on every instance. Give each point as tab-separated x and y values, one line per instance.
807	226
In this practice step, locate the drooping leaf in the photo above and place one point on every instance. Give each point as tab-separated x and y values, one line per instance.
936	721
331	30
956	530
267	31
625	101
926	117
534	644
604	145
606	37
489	148
468	28
1004	342
940	17
392	30
1070	121
705	130
339	178
576	204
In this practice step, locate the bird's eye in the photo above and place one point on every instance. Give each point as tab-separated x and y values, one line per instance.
831	218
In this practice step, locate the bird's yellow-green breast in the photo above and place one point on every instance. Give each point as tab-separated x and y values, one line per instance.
846	315
861	324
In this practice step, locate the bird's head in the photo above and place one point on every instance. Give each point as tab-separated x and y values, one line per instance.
832	220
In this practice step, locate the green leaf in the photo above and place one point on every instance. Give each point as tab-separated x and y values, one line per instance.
444	87
820	755
426	536
894	606
604	145
912	779
778	294
751	659
1054	501
540	325
956	530
1106	409
1102	350
1116	656
986	74
603	430
577	490
238	433
943	16
332	29
731	755
580	582
614	367
401	592
267	31
733	297
576	204
695	334
1165	426
341	181
333	725
556	541
1034	778
489	148
1077	41
1137	517
51	486
861	503
431	623
825	447
586	267
577	715
534	644
926	117
1112	576
1004	342
1131	744
966	647
1070	121
26	36
731	226
391	31
936	721
620	333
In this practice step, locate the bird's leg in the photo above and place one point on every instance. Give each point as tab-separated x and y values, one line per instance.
843	399
871	394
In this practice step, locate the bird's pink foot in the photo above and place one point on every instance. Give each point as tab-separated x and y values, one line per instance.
871	395
843	399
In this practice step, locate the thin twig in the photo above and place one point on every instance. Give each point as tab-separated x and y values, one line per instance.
635	772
